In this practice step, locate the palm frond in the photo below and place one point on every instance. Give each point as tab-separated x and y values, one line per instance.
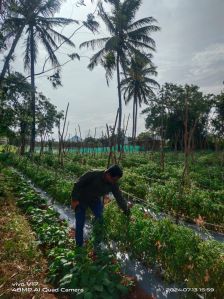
91	23
150	71
129	95
27	53
7	36
124	61
152	82
27	56
106	18
125	82
74	56
100	42
109	64
139	96
21	8
141	45
42	31
143	95
96	58
12	23
150	95
128	91
144	38
49	7
50	22
113	2
146	30
140	23
11	27
60	37
129	9
109	74
142	55
48	47
146	110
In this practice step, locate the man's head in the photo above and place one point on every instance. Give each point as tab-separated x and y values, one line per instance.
113	174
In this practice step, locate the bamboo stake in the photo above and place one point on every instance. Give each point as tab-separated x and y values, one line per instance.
112	138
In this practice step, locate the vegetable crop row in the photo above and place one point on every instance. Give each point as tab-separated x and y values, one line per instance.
69	267
168	197
181	253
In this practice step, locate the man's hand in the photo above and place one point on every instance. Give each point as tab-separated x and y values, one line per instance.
74	203
127	212
130	205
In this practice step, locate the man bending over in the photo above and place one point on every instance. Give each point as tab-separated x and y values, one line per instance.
87	192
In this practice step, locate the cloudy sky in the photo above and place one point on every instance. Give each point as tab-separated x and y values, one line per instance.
190	49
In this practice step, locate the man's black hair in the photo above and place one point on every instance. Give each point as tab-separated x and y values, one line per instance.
115	171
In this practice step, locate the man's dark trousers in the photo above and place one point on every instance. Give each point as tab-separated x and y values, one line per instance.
80	216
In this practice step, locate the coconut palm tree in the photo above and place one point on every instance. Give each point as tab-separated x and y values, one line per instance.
34	21
127	37
139	86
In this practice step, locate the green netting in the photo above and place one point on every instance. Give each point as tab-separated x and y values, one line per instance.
127	148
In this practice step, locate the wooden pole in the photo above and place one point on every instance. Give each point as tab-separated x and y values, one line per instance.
110	140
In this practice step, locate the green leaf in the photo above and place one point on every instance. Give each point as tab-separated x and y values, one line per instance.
106	282
98	288
88	295
63	261
66	278
122	288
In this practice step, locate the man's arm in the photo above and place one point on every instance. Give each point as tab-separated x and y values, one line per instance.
122	203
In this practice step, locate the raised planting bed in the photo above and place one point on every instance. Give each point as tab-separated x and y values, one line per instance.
69	267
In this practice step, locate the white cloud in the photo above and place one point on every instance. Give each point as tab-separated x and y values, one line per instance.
207	67
206	61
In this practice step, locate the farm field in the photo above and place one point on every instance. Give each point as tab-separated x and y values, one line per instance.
68	267
143	181
111	149
182	255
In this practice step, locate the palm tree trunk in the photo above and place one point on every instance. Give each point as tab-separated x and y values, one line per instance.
133	128
9	56
41	145
22	137
136	115
33	104
186	140
120	103
162	138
